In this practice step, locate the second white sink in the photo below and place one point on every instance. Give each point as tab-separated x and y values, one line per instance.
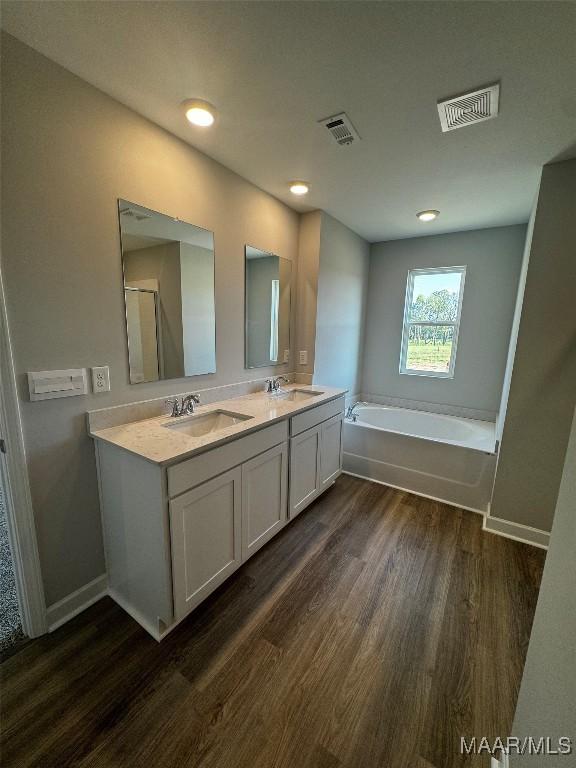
206	423
297	395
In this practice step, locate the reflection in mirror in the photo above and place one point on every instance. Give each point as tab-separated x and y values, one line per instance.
268	279
169	292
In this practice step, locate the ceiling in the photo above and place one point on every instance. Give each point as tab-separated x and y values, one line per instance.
273	69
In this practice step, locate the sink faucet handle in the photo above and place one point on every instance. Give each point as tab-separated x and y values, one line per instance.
269	385
173	401
188	402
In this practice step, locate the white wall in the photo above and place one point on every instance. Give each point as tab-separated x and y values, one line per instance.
493	258
341	309
68	153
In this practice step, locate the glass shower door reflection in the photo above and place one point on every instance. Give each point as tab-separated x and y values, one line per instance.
142	325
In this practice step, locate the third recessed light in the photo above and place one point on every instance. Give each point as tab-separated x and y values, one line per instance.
299	187
199	112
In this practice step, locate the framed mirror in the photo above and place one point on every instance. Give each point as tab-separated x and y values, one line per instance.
168	269
267	308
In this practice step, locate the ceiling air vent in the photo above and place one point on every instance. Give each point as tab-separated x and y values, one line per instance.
133	213
341	128
469	108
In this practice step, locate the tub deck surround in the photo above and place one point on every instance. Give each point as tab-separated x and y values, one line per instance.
151	440
474	434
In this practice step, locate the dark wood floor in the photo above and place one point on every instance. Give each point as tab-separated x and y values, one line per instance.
373	632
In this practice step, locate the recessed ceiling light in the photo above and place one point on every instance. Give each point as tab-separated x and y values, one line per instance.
199	112
299	187
427	215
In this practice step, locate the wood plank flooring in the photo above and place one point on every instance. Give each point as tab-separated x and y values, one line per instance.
374	631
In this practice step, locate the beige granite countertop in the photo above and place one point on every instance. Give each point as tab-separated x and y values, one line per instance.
151	440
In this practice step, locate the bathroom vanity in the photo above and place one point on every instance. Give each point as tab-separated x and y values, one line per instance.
186	500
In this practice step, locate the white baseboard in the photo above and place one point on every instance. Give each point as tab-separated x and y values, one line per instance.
516	531
64	610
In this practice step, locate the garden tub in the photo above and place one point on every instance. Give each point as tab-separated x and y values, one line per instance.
448	458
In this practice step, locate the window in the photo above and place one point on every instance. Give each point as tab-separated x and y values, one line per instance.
274	307
431	321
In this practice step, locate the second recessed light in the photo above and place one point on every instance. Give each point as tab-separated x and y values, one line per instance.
199	112
428	215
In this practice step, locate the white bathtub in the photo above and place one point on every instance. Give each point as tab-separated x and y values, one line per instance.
448	458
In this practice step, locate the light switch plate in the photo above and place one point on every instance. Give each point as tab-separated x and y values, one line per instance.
46	385
303	357
101	379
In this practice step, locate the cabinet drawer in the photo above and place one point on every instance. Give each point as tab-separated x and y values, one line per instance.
192	472
314	416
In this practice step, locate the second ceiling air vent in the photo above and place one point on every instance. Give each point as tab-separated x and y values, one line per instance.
469	108
341	128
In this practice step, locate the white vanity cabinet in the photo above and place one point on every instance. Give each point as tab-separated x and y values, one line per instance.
315	453
174	533
219	524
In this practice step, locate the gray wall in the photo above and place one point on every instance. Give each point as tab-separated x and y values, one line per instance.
341	309
493	259
259	276
546	703
307	288
68	152
515	327
543	382
198	301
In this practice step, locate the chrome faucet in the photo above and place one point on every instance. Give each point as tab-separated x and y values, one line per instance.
351	410
273	385
186	407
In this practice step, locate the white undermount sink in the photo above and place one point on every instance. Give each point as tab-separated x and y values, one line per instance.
206	423
296	395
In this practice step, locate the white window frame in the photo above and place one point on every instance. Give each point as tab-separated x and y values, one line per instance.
274	319
412	274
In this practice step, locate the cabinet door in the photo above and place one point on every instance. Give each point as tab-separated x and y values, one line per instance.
304	469
264	498
205	529
330	451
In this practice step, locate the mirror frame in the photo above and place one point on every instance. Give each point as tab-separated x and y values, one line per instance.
181	221
268	365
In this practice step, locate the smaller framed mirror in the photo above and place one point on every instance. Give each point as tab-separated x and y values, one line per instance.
267	308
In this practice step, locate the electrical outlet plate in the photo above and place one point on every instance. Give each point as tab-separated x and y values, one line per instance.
101	379
286	355
303	357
